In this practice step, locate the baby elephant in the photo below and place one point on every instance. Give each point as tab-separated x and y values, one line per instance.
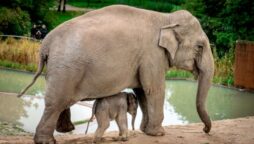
114	107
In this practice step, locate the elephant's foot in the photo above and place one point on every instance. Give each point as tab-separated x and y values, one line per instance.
144	122
121	138
98	139
44	139
142	127
154	131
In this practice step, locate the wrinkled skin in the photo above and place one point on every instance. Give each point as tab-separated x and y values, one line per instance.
107	50
114	108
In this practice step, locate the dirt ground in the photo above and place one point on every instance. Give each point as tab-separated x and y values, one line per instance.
235	131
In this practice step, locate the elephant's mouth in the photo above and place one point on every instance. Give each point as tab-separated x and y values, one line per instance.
188	65
195	70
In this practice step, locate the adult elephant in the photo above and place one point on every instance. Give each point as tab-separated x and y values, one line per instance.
105	51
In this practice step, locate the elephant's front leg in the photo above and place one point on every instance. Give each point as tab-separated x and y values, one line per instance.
153	83
155	102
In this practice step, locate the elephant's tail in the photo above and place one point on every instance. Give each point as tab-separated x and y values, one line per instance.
42	61
93	113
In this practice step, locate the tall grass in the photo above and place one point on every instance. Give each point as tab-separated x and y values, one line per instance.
176	73
19	53
224	67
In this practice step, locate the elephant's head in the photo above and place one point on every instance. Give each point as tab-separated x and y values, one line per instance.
188	48
132	107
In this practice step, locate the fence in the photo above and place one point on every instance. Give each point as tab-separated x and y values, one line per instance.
16	36
244	65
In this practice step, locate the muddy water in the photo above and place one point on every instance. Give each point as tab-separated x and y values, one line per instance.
179	108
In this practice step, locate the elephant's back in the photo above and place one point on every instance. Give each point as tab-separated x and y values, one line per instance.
105	41
112	20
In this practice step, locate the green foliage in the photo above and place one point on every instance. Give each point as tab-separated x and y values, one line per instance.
62	17
80	122
238	15
40	11
158	5
175	73
16	16
14	21
224	68
18	66
224	21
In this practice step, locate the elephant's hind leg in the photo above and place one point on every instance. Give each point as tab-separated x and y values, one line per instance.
47	124
58	97
122	124
143	105
103	121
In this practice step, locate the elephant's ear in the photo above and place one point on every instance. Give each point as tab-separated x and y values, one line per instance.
168	39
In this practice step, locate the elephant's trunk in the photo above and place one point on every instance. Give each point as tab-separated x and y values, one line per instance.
206	70
203	87
133	121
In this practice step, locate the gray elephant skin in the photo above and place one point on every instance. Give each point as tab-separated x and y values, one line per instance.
107	50
114	108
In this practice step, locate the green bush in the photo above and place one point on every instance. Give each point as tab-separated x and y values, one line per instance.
18	66
176	73
157	5
14	21
62	17
16	16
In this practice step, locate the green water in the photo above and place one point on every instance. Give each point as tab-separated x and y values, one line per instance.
179	106
14	82
222	103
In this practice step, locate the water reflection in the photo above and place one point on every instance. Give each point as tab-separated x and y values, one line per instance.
13	81
179	107
11	109
27	111
222	103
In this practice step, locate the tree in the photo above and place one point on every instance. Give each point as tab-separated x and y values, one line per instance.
224	21
60	3
16	16
14	21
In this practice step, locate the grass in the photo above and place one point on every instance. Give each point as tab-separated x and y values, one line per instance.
14	65
85	4
80	122
60	17
224	68
19	54
162	6
176	73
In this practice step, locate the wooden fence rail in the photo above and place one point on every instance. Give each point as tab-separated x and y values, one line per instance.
244	65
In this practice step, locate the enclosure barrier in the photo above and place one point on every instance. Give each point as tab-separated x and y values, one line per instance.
19	37
244	65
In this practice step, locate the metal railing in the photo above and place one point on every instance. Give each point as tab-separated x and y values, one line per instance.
24	37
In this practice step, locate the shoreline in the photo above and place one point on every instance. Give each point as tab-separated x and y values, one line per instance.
176	78
230	131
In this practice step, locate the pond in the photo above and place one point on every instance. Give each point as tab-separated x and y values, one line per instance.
179	108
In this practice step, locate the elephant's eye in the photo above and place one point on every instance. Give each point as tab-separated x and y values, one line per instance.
199	49
200	46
